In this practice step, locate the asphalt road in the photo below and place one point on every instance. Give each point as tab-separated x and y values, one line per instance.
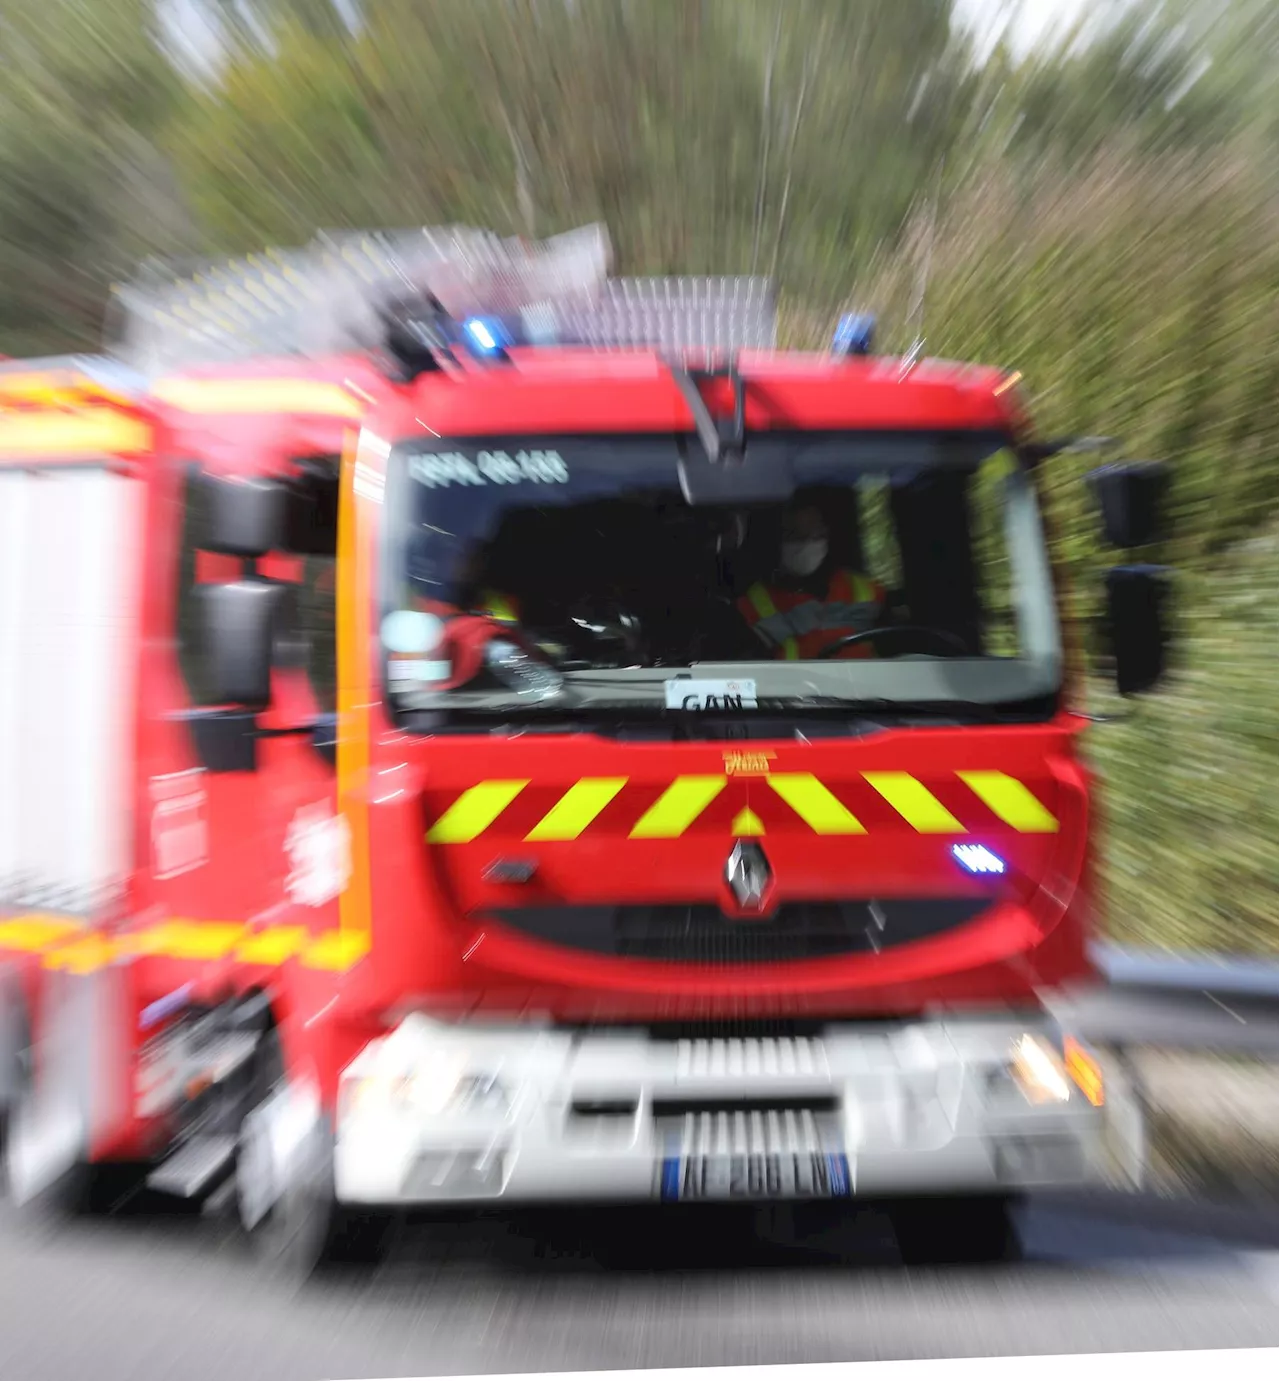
151	1297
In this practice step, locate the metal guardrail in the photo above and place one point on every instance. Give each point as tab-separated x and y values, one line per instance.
1254	979
1189	1002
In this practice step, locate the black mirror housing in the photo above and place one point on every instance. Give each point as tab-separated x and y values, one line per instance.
239	629
244	516
1135	628
311	514
1130	498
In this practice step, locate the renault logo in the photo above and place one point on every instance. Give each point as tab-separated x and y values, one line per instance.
747	874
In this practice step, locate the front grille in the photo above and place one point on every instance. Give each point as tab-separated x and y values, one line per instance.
704	935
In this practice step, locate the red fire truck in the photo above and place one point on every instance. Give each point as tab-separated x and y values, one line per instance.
508	817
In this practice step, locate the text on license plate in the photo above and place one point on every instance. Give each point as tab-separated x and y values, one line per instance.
774	1175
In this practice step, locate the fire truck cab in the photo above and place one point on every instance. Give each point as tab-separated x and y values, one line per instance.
523	816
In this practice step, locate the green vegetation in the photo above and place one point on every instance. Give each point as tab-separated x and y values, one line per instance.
1139	301
1101	217
1190	781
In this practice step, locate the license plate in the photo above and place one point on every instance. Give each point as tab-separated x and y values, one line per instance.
760	1176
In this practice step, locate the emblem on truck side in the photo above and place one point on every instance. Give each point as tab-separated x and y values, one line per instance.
318	846
747	873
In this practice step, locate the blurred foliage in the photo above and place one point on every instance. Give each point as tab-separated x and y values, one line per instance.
85	92
1190	781
1100	214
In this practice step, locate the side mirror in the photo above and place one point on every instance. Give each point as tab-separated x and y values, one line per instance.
1130	497
311	514
244	516
1135	627
239	630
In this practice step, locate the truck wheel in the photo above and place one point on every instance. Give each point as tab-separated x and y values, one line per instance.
304	1226
947	1231
306	1229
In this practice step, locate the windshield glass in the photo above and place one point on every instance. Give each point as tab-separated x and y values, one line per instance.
574	573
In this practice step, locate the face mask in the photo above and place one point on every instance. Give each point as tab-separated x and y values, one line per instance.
803	558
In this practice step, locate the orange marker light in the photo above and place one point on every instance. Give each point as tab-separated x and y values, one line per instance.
1084	1071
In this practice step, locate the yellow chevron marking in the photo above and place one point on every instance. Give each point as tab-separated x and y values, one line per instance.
678	807
186	939
917	805
73	948
31	934
474	811
746	822
83	956
814	803
1006	797
577	808
273	946
335	950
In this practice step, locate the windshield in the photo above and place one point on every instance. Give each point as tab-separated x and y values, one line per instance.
574	574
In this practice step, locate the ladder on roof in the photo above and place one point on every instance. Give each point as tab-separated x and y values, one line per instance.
329	297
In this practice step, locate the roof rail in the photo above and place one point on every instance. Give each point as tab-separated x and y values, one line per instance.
330	296
341	292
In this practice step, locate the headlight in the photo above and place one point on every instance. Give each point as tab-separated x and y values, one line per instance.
1038	1070
445	1085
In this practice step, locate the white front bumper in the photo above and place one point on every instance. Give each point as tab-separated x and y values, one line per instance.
912	1108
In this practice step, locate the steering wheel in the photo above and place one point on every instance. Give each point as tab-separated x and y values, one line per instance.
954	646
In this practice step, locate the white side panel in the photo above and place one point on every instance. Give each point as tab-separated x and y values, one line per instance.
15	492
69	594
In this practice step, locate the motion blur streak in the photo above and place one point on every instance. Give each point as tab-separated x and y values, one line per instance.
403	812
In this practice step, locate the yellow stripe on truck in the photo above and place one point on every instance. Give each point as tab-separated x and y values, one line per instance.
678	807
89	432
73	946
1006	797
260	395
474	811
577	808
814	803
917	805
31	934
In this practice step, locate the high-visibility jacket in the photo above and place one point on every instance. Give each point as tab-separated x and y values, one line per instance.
497	606
800	626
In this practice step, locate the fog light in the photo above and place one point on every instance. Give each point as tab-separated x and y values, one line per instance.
428	1091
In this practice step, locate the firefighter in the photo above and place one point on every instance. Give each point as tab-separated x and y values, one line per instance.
810	602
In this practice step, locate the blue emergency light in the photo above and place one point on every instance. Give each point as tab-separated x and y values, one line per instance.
855	332
485	335
978	860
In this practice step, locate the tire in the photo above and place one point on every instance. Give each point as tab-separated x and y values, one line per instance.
305	1228
950	1231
